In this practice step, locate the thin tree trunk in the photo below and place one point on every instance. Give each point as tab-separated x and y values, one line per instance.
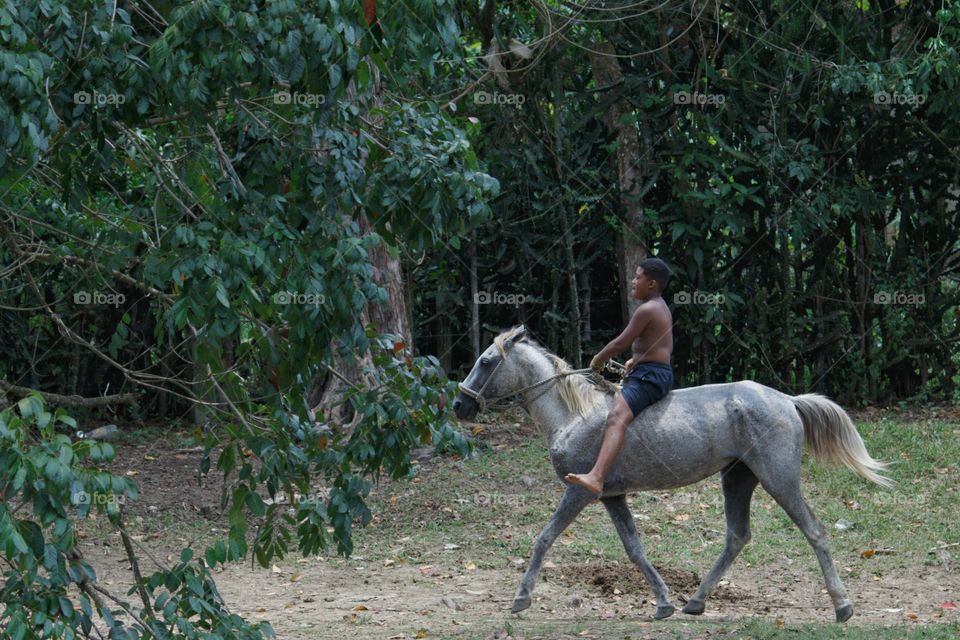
474	291
631	249
584	284
573	336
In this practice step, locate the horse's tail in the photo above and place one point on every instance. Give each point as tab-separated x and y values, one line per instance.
832	437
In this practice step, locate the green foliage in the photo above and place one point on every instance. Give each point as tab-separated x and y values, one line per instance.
215	177
55	478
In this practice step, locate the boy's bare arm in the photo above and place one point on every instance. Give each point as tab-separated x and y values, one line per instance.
622	342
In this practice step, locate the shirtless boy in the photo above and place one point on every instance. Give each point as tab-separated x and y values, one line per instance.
649	375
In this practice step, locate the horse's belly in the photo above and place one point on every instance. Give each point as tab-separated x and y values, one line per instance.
662	459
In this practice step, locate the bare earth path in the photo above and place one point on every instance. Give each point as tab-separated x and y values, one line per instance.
443	593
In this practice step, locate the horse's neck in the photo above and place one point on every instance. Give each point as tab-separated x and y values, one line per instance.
546	407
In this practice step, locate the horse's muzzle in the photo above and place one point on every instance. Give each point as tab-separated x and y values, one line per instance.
465	407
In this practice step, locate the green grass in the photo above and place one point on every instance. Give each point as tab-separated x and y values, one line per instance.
483	505
631	630
477	499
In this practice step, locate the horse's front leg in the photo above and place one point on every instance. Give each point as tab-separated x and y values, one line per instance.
623	520
572	503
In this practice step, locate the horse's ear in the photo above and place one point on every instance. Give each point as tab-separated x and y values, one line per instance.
519	335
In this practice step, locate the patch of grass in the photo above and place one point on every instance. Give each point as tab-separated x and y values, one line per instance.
684	628
154	435
494	506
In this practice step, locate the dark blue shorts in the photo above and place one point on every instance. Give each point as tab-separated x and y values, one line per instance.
647	383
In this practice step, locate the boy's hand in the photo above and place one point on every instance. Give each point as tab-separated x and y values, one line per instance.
596	365
628	366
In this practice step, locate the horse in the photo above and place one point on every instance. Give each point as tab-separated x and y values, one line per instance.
750	433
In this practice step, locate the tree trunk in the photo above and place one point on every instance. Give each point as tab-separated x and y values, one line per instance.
391	317
631	249
569	255
474	290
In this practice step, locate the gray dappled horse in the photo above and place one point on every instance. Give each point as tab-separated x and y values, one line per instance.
748	432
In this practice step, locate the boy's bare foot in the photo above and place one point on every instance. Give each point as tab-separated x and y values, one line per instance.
590	482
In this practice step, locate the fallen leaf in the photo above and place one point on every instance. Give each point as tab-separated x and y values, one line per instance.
426	569
359	607
132	472
910	615
149	458
276	569
470	566
421	633
295	576
868	553
947	605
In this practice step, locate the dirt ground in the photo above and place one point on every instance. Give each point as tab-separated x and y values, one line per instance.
333	598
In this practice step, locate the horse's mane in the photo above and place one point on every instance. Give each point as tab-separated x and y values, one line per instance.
577	391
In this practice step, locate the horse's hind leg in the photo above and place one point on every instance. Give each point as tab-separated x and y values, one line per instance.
574	500
784	485
738	484
623	521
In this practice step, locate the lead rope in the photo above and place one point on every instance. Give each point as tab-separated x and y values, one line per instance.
478	395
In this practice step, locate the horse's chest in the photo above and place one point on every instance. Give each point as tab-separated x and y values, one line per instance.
573	452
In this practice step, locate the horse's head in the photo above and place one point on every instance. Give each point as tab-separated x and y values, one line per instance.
494	375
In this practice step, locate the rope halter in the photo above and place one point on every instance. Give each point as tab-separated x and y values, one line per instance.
478	395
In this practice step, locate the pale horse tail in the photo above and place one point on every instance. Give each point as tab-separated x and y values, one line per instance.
832	437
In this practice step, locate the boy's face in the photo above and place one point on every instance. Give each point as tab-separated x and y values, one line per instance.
642	286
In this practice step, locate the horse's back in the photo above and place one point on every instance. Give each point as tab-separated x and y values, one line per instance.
693	433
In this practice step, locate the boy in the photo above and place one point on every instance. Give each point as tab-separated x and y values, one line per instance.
650	334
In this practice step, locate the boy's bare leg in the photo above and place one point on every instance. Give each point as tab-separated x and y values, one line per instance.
617	420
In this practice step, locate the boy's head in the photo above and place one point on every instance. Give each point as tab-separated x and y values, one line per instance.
652	277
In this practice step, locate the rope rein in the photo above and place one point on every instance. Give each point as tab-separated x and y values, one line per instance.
483	402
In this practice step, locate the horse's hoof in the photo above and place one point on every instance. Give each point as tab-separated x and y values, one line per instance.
664	612
845	612
694	607
519	604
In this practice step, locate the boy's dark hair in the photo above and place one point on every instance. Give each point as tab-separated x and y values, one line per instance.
656	269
